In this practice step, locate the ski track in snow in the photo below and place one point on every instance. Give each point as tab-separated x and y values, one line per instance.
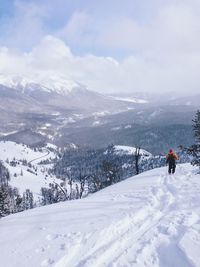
137	235
160	227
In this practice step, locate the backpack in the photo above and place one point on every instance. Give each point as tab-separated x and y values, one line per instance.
171	158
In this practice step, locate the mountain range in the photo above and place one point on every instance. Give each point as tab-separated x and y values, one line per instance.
61	111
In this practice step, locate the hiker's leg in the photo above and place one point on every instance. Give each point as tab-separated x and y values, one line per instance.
173	168
169	169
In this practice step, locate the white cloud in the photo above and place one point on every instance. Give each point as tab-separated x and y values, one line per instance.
50	54
75	29
172	28
25	28
11	61
161	53
135	73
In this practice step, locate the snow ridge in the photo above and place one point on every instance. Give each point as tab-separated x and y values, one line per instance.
52	83
149	220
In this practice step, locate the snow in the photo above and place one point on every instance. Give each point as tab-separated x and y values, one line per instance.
151	220
8	133
57	83
155	113
72	145
128	126
52	146
30	179
101	113
120	150
14	81
12	150
69	120
96	123
42	133
116	128
131	100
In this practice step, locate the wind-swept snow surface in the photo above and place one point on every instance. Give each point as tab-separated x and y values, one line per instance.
151	220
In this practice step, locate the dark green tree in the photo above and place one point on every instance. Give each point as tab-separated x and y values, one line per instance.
194	150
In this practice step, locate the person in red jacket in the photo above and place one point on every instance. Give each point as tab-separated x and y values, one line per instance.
171	161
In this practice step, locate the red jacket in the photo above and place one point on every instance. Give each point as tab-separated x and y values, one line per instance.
171	156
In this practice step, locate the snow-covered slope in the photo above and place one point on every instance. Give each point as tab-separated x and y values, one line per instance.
129	150
23	175
10	150
151	220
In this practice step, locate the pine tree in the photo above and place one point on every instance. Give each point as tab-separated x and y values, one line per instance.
4	175
196	127
111	173
4	201
27	200
196	146
194	150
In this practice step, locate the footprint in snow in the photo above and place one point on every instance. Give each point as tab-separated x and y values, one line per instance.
42	228
52	237
191	218
47	262
62	246
163	229
39	250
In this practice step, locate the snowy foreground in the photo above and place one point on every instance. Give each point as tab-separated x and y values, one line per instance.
149	220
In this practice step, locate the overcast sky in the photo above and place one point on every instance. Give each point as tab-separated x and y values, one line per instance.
109	45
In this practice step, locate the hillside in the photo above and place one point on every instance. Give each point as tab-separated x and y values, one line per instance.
24	166
152	219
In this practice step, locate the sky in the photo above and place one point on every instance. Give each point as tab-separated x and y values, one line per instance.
111	46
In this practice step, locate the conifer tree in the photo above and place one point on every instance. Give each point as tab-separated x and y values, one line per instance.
4	201
196	146
27	200
194	150
196	127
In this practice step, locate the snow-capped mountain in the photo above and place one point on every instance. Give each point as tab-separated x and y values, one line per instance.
52	83
30	103
59	92
149	220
